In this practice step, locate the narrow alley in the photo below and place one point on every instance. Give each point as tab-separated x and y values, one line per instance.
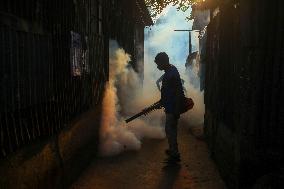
144	169
91	90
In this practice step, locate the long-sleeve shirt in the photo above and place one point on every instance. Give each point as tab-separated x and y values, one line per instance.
172	91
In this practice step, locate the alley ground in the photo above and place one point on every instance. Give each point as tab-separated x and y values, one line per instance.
144	169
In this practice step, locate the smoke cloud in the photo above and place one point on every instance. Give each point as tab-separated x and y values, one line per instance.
115	135
162	38
125	95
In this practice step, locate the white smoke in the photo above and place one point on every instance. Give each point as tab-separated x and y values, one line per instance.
115	135
194	117
162	38
124	95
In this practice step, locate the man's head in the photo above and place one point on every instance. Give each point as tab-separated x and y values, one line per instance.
162	60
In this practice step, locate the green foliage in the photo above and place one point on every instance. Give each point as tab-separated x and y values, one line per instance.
157	6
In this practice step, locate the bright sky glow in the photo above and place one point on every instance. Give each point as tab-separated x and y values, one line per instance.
162	37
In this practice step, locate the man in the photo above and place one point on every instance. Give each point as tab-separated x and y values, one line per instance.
171	96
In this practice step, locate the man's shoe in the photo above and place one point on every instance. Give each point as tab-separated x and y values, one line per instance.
168	152
172	159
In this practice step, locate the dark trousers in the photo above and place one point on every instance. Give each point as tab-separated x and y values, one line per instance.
171	133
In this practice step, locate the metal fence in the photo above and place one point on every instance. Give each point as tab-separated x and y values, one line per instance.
53	66
244	82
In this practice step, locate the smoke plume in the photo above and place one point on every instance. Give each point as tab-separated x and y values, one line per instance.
115	135
162	38
125	95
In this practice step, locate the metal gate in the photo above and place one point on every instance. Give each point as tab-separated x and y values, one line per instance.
54	63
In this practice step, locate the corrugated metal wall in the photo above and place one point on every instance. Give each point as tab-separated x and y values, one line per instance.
54	63
244	90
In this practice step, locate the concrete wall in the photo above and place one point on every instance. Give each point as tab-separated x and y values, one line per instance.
55	162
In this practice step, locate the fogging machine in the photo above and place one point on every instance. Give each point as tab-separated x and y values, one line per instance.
186	105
